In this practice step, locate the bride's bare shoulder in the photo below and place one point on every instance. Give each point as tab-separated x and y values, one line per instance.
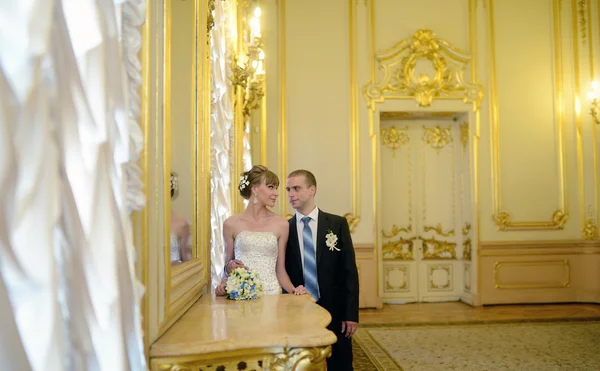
231	221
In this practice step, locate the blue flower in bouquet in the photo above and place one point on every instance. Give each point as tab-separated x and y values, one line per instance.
243	285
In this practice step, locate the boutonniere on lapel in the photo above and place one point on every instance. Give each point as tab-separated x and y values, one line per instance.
332	240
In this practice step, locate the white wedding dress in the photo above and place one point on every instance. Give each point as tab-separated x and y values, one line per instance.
258	251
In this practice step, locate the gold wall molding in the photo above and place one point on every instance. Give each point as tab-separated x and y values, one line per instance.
394	138
398	250
561	283
353	217
396	230
539	248
437	138
464	135
439	230
400	80
503	220
405	270
447	286
438	250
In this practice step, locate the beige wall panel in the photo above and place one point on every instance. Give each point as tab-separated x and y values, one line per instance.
540	272
399	19
528	118
318	112
366	263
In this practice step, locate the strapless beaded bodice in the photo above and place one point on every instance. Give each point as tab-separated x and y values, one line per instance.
258	251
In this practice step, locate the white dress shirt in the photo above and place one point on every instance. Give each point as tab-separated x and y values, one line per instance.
314	216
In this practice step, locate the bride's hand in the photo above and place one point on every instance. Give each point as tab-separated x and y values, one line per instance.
220	290
300	290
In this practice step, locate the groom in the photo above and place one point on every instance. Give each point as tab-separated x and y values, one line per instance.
320	256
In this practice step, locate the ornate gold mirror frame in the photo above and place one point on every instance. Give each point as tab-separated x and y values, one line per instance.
185	117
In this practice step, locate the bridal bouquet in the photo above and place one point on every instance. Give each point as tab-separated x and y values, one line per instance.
243	285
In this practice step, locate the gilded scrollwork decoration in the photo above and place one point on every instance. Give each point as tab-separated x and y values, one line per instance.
438	250
439	230
467	248
399	250
396	230
466	229
437	138
590	230
423	67
394	138
301	359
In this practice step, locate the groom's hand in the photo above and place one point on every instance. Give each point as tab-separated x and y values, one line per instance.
349	328
233	264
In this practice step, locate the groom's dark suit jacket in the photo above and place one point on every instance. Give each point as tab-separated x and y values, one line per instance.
336	270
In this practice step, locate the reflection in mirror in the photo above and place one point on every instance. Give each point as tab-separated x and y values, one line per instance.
181	241
181	50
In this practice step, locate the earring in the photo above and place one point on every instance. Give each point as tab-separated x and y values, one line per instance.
255	200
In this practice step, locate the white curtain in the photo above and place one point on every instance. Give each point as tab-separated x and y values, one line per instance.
221	124
69	141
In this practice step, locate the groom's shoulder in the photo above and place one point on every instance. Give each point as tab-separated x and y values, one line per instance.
333	217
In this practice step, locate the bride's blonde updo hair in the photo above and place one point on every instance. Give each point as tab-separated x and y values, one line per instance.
255	177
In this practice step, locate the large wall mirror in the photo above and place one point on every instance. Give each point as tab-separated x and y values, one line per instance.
186	155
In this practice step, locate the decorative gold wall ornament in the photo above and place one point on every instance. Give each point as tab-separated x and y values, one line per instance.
210	20
436	250
353	221
582	20
439	230
419	55
467	249
396	231
239	74
464	135
466	229
437	137
398	250
559	219
590	230
394	138
254	94
594	95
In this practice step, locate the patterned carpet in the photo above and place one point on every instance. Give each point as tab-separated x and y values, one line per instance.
544	346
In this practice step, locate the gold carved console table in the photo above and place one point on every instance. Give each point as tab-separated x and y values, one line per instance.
276	332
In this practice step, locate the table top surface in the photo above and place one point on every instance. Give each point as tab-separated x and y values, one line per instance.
216	324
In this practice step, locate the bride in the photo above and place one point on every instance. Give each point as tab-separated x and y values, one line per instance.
256	238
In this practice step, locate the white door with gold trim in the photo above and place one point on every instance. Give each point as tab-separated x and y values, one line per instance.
425	210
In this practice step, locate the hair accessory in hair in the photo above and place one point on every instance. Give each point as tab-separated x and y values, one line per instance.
174	182
243	182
